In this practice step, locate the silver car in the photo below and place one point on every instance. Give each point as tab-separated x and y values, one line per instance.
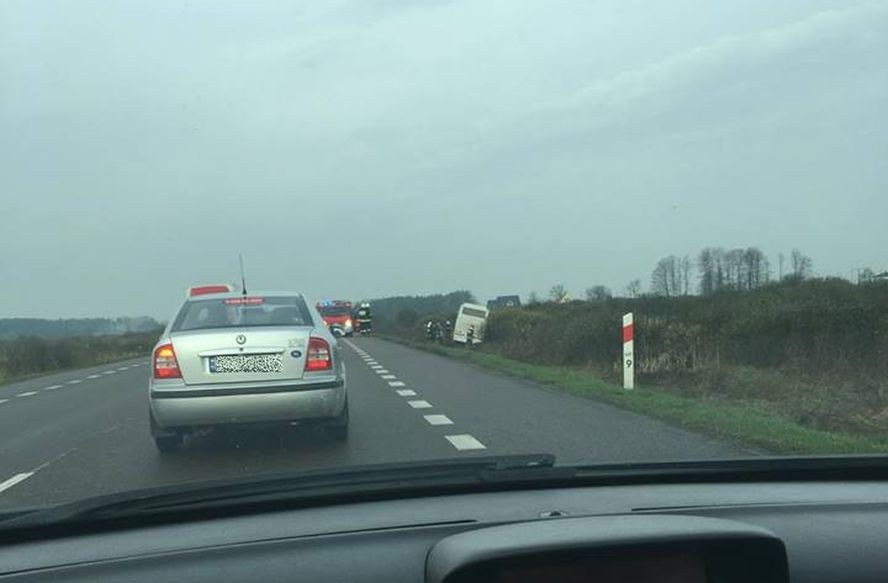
228	358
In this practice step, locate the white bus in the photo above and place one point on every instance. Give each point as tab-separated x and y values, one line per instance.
471	322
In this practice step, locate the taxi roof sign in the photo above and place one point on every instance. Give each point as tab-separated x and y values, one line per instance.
213	288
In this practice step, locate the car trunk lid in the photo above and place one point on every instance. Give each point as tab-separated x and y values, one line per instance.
238	355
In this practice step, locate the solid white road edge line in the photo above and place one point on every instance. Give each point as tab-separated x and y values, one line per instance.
464	442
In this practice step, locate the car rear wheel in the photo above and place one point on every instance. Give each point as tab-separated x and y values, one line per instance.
168	443
338	428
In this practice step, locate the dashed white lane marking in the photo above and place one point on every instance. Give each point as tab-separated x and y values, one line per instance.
73	382
420	404
438	419
3	401
52	387
109	372
397	384
388	377
376	366
465	442
93	376
406	393
122	368
28	394
15	480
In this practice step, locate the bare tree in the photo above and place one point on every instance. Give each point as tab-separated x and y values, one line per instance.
734	269
666	278
598	293
633	288
756	269
685	275
801	264
707	263
781	260
533	298
558	293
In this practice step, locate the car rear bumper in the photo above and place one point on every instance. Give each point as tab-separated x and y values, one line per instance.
189	406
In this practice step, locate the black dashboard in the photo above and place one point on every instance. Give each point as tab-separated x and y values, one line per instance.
802	532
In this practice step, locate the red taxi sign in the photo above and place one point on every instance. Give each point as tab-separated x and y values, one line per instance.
215	288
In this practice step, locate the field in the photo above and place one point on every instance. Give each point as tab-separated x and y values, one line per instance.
793	367
31	355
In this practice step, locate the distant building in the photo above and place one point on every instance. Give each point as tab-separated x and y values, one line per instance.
504	302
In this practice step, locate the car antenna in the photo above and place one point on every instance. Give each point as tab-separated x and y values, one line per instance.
243	277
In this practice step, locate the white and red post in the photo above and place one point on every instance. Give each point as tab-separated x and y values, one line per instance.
628	351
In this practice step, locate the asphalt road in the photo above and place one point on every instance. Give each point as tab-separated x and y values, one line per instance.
83	433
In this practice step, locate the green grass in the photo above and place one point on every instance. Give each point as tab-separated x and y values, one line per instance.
744	423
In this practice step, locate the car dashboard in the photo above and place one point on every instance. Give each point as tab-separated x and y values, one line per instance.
805	532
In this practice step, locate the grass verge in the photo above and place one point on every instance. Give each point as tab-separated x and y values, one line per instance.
737	422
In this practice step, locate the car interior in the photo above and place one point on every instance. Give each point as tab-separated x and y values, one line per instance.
801	521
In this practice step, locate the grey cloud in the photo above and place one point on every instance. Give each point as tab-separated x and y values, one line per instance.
142	146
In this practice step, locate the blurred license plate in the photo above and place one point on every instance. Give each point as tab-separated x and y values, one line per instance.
247	363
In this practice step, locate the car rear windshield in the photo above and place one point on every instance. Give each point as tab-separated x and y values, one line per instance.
241	312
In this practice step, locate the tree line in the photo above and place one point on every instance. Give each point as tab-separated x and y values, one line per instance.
714	270
66	327
719	270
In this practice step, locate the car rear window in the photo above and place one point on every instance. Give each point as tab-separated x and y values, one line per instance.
241	312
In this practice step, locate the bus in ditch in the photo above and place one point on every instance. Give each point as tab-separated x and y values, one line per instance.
470	325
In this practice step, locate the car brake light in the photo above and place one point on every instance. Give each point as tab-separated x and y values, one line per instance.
319	356
165	364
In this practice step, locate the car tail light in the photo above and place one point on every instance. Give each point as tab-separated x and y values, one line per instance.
165	364
319	356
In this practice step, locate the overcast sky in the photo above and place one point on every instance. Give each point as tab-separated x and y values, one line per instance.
361	149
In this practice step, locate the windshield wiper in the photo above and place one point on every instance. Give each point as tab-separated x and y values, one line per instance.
302	487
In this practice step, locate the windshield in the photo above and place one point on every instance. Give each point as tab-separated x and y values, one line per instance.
474	312
334	310
610	232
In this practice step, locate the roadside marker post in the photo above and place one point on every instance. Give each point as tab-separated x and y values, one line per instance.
628	351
